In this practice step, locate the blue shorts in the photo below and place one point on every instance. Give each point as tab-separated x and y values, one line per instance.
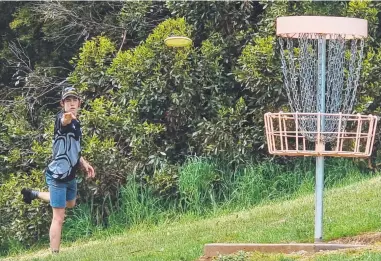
60	192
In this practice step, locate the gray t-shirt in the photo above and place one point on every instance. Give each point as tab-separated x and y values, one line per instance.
66	150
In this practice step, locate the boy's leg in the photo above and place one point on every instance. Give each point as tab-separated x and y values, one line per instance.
57	196
45	196
71	193
56	228
29	195
70	203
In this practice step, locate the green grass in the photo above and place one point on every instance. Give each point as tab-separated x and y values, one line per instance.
368	255
348	211
205	187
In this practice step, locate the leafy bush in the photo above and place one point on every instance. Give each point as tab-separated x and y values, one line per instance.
24	223
23	160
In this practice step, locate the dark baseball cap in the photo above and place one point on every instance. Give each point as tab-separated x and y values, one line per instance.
70	92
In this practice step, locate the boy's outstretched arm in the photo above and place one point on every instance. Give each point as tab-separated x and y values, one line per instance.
88	168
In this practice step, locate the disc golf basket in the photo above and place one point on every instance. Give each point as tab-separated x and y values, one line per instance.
321	62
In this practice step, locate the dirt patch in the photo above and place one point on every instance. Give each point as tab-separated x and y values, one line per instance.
363	239
205	259
369	239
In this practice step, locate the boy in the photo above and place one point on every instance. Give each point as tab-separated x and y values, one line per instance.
60	173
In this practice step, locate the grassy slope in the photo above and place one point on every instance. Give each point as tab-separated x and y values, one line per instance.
348	211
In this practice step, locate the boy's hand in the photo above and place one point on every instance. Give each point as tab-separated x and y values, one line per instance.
90	170
67	118
87	167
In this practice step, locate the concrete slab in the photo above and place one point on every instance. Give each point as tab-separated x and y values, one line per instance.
211	250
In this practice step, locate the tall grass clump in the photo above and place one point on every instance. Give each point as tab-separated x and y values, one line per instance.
267	181
79	223
137	205
199	185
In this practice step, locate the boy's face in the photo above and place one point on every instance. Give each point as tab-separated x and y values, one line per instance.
71	104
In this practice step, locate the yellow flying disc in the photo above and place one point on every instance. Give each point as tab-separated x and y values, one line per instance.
178	41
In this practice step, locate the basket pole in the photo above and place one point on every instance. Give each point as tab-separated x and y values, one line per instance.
319	185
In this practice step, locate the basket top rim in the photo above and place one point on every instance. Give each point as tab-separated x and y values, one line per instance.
328	26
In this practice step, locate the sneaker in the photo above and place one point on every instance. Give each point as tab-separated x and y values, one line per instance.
27	195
